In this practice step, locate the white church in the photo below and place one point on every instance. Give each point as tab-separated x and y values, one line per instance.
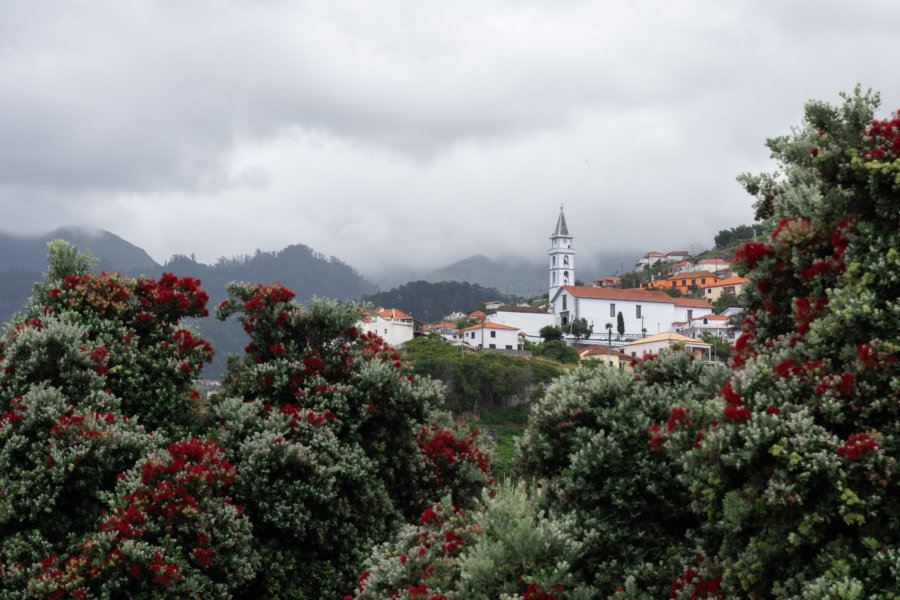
645	312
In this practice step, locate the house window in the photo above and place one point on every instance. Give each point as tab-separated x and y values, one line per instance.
634	353
508	347
637	311
612	310
385	332
690	314
492	346
684	283
564	302
703	281
493	334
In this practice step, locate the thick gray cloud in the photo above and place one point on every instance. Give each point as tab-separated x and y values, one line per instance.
407	134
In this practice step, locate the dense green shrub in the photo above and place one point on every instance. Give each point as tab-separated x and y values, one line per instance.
116	480
588	439
797	475
507	548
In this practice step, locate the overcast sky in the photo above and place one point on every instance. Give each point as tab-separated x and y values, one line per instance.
411	134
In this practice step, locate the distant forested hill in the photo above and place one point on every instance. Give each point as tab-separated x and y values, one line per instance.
430	301
23	261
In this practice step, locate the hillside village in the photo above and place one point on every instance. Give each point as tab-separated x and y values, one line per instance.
611	320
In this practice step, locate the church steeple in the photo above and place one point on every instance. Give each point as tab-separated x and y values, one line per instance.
562	255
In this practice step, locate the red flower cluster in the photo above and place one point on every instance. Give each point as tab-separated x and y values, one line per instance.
536	592
443	448
871	356
173	297
657	437
884	137
841	385
299	414
751	253
264	295
857	446
735	410
806	310
677	414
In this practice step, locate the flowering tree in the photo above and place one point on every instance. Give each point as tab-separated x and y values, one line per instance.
797	479
587	438
506	548
116	480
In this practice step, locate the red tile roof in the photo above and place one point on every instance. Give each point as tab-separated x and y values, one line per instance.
727	281
618	294
488	326
691	274
392	313
692	302
710	317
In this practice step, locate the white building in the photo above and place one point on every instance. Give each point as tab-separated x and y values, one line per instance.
391	324
491	336
562	255
653	344
649	310
528	319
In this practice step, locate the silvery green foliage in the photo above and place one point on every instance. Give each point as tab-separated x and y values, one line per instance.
796	473
315	502
508	547
588	439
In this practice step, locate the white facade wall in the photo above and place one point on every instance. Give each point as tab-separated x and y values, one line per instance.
658	317
683	314
529	323
489	338
395	333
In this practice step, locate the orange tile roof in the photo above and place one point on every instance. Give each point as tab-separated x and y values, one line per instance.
392	313
727	281
711	317
690	274
444	325
618	293
603	350
487	325
477	314
692	302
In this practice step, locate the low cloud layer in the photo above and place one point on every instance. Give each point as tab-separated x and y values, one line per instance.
407	135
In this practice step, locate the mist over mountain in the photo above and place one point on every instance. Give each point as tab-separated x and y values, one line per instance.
29	253
23	260
514	276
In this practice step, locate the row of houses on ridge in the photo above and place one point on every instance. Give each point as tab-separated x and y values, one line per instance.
651	319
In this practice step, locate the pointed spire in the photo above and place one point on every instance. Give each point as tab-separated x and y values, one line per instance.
561	228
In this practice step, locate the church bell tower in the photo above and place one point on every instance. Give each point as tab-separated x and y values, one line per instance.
562	256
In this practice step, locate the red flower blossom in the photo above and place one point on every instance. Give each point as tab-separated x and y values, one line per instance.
857	446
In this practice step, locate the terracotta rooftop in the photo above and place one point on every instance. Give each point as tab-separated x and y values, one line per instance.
692	302
518	309
392	313
618	294
728	281
667	336
487	325
694	274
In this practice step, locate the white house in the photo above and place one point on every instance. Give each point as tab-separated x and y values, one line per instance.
528	319
691	308
491	336
650	259
649	310
717	325
653	344
393	325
